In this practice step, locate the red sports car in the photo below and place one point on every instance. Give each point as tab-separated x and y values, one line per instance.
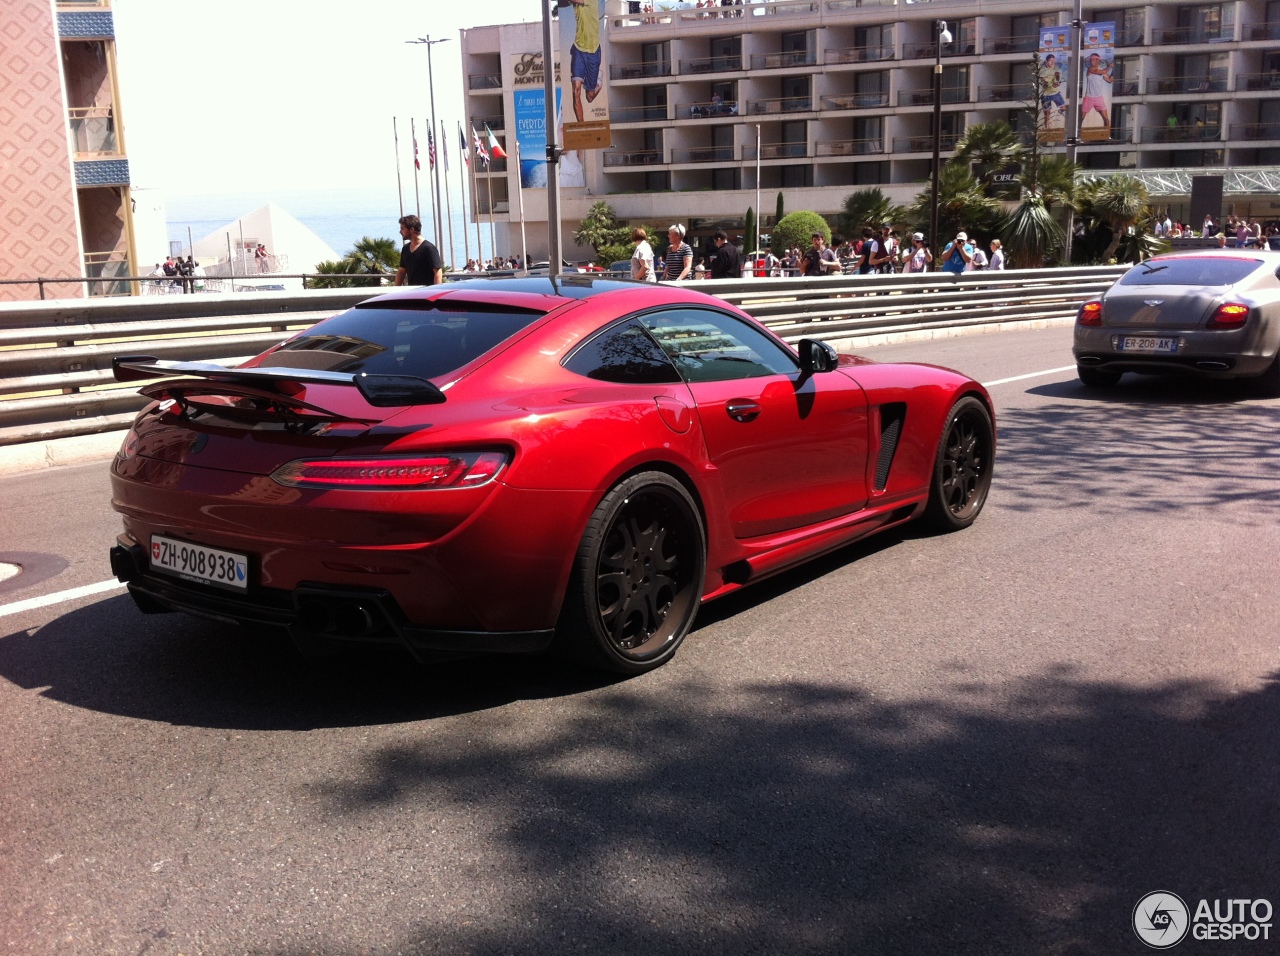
520	464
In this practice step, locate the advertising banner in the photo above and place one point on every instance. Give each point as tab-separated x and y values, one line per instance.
528	95
1053	73
1098	55
584	77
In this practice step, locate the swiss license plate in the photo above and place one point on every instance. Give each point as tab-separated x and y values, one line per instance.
1147	343
195	562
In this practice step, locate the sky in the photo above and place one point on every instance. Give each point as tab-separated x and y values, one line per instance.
254	95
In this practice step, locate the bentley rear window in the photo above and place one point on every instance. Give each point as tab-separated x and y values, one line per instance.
425	343
1191	270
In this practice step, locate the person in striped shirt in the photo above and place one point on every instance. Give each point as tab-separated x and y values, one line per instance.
679	262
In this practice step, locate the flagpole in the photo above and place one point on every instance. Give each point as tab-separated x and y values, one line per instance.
448	206
475	192
524	246
462	183
493	246
399	189
431	89
417	199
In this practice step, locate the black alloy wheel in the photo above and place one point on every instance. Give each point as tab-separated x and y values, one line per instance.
1097	378
962	468
638	577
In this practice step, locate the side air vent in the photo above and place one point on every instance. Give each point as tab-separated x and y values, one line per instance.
891	419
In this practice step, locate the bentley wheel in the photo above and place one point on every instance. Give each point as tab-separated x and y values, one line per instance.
962	468
1097	378
637	578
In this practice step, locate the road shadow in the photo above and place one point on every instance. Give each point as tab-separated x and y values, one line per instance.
797	818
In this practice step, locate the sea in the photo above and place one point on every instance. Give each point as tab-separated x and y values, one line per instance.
340	217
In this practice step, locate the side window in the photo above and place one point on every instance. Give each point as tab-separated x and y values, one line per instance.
709	346
624	354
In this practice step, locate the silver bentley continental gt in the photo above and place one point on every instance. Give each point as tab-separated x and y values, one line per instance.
1213	313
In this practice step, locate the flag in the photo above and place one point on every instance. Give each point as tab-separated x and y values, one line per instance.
444	147
416	164
462	145
494	149
431	149
478	145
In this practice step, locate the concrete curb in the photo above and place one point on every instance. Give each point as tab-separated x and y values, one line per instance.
81	449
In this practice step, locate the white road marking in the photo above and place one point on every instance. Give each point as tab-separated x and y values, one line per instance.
58	597
1019	378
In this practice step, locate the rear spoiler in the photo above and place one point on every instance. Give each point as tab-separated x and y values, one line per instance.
380	391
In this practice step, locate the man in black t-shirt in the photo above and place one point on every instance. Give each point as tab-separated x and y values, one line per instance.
420	262
727	262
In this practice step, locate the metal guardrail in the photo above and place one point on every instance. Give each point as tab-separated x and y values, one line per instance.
55	356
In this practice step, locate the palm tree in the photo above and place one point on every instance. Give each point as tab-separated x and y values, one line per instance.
330	267
1030	233
1119	201
989	148
962	204
866	207
375	257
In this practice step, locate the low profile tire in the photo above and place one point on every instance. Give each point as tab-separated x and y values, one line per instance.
637	578
1097	378
962	467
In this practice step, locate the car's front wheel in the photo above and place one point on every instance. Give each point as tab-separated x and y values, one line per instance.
637	578
962	466
1097	378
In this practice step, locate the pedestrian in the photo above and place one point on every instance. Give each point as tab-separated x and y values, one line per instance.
642	258
979	261
957	254
866	248
919	258
727	261
679	262
996	264
819	260
260	254
187	270
420	262
880	258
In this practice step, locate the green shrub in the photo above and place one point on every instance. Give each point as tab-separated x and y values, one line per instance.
797	229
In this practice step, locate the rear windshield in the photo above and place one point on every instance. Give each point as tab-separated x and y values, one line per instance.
425	343
1192	270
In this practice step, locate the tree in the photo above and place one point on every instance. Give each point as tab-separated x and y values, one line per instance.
750	236
797	229
329	267
374	257
599	227
1119	201
779	211
866	207
963	204
989	148
1030	234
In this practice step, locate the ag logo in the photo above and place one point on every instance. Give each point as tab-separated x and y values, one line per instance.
1161	919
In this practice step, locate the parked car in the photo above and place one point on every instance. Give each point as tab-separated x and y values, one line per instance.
504	464
1212	312
620	269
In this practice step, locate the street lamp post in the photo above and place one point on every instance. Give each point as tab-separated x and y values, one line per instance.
941	35
435	166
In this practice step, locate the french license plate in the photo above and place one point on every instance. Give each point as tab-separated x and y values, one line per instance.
195	562
1147	343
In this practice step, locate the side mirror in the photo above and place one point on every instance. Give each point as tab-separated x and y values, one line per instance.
817	356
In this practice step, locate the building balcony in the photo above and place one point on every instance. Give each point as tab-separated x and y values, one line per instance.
856	101
1180	134
1125	88
1255	132
484	83
953	94
498	206
635	157
928	51
1005	93
497	121
861	54
712	64
493	166
924	144
639	114
635	71
780	61
785	104
93	130
1246	82
1187	84
851	147
703	154
777	151
1264	31
1198	34
1018	44
1136	36
705	110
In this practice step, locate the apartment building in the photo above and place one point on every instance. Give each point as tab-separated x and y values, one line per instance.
838	95
65	203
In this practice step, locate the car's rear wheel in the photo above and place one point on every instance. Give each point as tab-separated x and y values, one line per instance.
1097	378
962	467
637	579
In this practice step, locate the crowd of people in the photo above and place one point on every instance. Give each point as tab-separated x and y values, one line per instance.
1247	233
496	263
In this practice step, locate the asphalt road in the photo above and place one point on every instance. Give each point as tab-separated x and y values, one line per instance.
993	741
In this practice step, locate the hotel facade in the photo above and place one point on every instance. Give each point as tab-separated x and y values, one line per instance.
838	94
66	208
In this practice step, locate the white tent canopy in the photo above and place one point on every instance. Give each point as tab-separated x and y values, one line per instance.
291	244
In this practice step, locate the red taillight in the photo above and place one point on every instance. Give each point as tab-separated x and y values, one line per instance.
444	470
1090	313
1229	315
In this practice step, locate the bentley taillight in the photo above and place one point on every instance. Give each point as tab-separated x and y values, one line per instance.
1090	313
389	473
1229	315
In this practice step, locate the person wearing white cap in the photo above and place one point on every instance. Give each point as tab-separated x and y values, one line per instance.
955	257
918	258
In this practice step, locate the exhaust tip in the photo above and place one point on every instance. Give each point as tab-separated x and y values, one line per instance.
315	617
1213	366
352	620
